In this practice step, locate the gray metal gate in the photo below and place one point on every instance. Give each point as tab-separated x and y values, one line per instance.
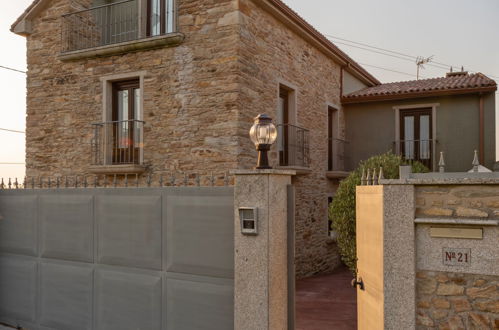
126	258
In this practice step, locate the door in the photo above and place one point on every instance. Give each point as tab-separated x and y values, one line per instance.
416	135
126	127
370	273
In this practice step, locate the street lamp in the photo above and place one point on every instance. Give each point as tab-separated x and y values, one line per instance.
263	133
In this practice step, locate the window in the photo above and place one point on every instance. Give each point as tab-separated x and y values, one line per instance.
160	17
126	134
416	135
283	122
331	134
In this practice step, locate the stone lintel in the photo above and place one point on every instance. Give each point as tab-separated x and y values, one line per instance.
337	174
168	40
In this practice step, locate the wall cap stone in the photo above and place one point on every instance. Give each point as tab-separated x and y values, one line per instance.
472	222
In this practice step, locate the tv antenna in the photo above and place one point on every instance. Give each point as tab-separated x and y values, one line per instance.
421	61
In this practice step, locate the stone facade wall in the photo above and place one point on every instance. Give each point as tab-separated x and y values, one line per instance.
271	54
190	92
200	98
457	301
465	201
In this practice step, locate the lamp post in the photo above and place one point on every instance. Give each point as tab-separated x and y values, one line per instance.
263	133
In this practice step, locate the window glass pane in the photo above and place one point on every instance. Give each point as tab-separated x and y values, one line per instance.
424	136
136	110
409	137
155	17
122	119
169	16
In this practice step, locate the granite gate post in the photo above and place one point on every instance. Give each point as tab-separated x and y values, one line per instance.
260	277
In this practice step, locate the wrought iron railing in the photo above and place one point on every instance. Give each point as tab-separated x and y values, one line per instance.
114	23
293	146
118	142
337	155
415	150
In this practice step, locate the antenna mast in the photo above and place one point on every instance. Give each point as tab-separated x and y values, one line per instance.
420	61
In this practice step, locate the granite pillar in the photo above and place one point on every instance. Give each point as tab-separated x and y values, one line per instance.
260	279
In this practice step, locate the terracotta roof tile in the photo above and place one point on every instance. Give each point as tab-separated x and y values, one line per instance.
452	83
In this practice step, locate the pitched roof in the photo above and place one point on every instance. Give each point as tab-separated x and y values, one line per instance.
453	83
292	19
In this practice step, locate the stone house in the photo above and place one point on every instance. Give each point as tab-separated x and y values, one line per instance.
159	86
420	119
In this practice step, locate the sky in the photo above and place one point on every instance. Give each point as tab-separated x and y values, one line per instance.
455	32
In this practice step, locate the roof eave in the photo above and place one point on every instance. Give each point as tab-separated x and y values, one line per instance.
379	98
284	14
23	26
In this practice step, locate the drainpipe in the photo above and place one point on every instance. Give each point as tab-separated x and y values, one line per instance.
482	131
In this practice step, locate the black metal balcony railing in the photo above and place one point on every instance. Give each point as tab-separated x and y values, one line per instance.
118	142
114	23
416	150
337	155
293	146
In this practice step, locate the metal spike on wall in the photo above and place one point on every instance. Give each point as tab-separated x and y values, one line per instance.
76	181
172	179
85	182
2	185
161	180
96	181
66	183
226	179
212	179
10	184
40	182
363	179
105	181
381	174
198	180
136	180
32	183
368	178
126	180
149	179
25	182
115	182
375	178
186	179
49	183
57	182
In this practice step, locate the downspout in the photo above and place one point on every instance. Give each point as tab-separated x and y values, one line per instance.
482	131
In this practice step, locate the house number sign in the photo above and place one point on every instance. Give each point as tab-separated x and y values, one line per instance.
456	257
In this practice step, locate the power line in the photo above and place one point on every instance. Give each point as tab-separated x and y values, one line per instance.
12	163
12	69
396	54
12	130
386	69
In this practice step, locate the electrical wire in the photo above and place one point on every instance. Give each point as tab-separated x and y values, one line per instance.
386	69
11	130
12	69
12	163
392	53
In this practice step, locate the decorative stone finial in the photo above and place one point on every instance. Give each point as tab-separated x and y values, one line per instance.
441	163
381	175
363	179
375	178
476	162
369	179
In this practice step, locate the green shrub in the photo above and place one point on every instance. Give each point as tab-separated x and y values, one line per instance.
342	209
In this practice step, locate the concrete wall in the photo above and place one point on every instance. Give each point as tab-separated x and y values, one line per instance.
457	130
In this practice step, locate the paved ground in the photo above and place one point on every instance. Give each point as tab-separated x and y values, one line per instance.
326	302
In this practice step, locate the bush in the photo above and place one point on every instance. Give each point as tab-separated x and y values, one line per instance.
342	209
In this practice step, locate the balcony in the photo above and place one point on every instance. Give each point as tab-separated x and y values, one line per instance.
293	147
337	159
416	150
117	147
119	27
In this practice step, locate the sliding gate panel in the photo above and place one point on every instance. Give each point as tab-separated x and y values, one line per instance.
120	258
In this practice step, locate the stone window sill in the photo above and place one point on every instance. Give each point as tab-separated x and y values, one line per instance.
117	169
337	174
168	40
298	169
